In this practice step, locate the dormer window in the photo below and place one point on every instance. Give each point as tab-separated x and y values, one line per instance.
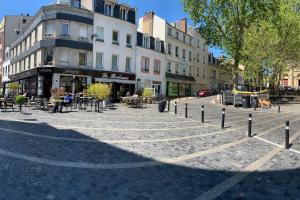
108	9
124	14
157	45
146	42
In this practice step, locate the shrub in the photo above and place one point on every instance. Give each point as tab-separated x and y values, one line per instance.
99	90
20	100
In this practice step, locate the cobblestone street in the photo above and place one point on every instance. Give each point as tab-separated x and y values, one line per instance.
142	154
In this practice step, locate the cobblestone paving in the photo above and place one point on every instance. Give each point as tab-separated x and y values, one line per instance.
142	154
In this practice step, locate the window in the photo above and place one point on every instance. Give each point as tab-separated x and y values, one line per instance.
169	49
64	57
156	66
146	42
35	60
190	56
76	3
183	38
183	53
99	60
203	47
198	57
145	64
203	73
24	21
128	64
83	32
115	37
128	41
108	9
285	82
48	56
169	66
198	43
169	31
191	41
203	59
198	71
177	35
123	14
157	45
177	68
82	58
64	29
114	62
49	29
176	51
99	34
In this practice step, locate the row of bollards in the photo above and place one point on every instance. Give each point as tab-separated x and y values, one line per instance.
287	128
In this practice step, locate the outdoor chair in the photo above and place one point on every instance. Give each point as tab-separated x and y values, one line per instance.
8	104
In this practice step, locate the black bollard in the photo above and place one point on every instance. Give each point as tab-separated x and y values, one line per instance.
278	108
287	135
250	125
186	110
202	114
169	105
223	119
175	108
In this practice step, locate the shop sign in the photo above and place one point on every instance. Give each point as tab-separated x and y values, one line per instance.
114	76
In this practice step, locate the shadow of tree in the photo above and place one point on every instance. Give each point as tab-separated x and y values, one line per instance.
26	173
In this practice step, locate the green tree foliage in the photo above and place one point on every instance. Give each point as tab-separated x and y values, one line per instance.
224	22
271	47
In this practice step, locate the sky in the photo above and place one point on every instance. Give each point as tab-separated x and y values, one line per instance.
171	10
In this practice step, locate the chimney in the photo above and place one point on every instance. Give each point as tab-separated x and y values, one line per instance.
183	25
148	23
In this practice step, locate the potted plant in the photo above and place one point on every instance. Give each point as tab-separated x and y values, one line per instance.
20	100
100	91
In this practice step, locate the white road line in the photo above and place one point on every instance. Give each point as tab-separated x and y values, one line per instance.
275	144
230	182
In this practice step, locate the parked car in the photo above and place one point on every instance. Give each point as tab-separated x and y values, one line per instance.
204	93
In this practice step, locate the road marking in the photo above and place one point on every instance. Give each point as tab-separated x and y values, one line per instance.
230	182
275	144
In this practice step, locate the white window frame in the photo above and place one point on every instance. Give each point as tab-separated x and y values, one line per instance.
115	68
61	31
99	65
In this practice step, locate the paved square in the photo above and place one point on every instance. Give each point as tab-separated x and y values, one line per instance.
142	154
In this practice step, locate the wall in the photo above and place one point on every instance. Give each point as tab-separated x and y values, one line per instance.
106	47
151	54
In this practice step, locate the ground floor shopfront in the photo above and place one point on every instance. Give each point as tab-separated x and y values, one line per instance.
158	85
179	85
39	81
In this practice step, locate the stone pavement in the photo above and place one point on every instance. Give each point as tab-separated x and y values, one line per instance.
142	154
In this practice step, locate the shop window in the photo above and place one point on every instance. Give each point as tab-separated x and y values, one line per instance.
114	62
145	64
156	66
128	64
99	60
82	58
66	82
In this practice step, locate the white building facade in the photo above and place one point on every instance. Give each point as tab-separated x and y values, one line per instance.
150	64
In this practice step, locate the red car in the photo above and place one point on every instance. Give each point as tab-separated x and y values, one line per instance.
204	93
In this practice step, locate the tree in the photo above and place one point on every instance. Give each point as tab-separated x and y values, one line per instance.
271	47
223	22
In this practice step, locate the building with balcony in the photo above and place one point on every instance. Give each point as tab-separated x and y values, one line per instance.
54	50
150	63
179	50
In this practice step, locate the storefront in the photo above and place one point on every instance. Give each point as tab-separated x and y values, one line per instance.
122	83
179	85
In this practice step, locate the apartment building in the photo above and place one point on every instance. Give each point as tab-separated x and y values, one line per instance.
201	63
179	51
54	50
114	44
292	77
150	63
10	28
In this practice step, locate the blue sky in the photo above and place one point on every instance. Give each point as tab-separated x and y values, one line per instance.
171	10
